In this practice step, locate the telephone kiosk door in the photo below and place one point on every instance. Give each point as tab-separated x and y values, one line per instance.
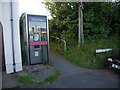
38	39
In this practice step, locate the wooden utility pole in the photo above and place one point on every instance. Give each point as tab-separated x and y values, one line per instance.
80	25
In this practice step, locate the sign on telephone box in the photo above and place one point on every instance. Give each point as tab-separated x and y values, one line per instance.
36	38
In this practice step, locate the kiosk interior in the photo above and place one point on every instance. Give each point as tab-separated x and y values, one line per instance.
35	29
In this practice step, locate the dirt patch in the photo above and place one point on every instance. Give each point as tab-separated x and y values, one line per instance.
38	72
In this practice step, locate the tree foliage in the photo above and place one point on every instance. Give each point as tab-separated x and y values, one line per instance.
101	22
100	19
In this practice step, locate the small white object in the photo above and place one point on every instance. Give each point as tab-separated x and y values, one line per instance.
110	59
36	53
115	66
36	37
103	50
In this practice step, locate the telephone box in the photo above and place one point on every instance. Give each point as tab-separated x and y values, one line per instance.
36	38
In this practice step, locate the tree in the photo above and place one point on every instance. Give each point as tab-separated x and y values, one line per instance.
100	19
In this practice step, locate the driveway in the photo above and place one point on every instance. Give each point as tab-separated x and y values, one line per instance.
73	76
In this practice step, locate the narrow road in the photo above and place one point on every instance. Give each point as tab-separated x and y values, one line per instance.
76	77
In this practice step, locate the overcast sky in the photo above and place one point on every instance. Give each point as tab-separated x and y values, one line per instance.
32	6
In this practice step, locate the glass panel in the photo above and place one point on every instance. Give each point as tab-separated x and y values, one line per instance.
44	53
37	33
37	29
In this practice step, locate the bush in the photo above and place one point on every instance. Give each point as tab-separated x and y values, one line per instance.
86	57
69	37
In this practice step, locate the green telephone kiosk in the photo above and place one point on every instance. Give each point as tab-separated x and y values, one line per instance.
36	38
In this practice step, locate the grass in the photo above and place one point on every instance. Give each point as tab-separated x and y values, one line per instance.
53	77
16	87
54	46
86	57
28	80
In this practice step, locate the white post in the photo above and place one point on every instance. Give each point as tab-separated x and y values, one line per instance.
11	35
5	19
16	33
80	25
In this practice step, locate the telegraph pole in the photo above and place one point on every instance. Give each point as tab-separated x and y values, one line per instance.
80	25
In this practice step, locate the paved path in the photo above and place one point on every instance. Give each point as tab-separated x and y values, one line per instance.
76	77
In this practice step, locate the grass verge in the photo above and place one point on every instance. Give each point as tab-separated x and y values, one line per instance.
25	80
54	46
51	78
86	57
28	80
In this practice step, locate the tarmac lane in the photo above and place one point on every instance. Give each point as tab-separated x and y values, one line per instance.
73	76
